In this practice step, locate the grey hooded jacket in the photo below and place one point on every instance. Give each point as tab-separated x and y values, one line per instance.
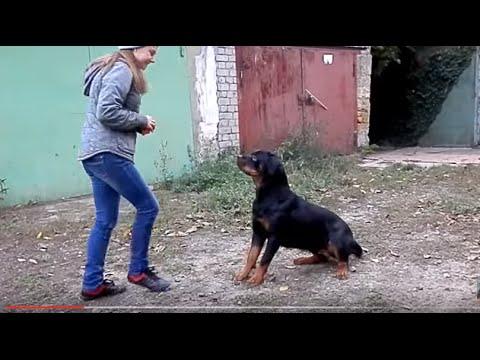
112	116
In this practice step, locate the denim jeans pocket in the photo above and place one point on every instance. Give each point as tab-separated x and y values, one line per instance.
94	166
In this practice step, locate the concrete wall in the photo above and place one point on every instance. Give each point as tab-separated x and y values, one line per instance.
455	124
203	99
476	135
364	71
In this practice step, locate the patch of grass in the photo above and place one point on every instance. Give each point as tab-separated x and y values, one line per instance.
165	176
209	174
459	204
462	208
369	149
224	188
28	280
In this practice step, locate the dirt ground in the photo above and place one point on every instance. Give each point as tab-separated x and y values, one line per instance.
420	231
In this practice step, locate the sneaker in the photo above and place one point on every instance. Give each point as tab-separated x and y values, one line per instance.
150	280
108	288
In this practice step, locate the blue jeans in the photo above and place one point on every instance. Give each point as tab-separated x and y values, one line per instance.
112	176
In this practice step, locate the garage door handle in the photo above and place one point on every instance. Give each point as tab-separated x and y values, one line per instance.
313	97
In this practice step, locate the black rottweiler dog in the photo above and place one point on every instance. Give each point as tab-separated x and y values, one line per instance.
287	220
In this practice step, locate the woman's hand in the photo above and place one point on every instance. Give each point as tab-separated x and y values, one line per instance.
151	125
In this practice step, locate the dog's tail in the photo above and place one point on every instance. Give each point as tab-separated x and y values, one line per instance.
356	249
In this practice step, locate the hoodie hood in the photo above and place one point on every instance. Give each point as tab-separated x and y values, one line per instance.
92	70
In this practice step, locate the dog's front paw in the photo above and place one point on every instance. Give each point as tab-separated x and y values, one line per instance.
241	276
342	271
256	279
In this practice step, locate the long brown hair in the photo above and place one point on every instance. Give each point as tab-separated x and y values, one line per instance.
107	62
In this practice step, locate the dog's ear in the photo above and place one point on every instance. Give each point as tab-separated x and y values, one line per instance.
274	167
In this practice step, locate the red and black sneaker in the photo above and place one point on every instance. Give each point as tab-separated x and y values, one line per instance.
150	280
108	288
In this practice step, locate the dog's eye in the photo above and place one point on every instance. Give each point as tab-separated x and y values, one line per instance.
254	158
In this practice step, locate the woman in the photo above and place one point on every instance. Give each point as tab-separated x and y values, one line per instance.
115	84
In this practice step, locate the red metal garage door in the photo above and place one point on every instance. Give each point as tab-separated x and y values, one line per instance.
269	82
284	90
331	89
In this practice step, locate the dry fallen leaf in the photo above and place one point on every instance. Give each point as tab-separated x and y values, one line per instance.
191	230
283	288
394	254
160	249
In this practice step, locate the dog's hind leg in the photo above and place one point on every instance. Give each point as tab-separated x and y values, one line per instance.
314	259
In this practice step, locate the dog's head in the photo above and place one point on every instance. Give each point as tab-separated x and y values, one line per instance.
264	167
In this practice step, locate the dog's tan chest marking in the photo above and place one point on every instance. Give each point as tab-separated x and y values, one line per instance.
265	223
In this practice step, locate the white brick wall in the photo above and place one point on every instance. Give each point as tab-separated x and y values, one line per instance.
228	136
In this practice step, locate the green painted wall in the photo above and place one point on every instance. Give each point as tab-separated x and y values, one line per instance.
454	125
41	114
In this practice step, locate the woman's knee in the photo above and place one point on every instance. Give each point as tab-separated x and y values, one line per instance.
150	207
107	223
155	207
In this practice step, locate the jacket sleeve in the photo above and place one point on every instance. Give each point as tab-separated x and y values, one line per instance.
114	90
